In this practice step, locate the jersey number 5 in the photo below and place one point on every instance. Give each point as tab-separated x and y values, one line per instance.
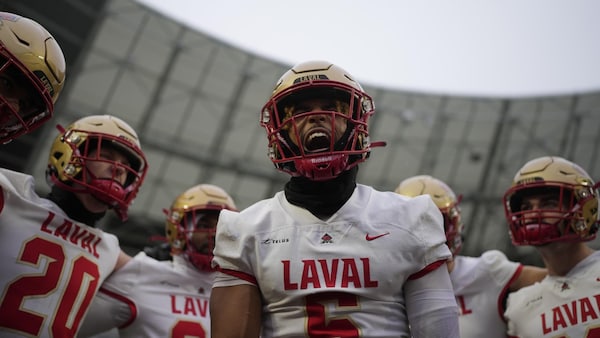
188	329
75	297
318	325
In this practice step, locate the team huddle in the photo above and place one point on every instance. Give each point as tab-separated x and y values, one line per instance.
324	257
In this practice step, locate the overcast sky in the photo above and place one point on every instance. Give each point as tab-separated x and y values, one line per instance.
505	48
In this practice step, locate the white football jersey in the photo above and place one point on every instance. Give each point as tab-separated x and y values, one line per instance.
567	306
52	266
342	276
151	298
480	287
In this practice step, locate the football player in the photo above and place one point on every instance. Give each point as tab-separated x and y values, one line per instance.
32	75
327	257
481	284
553	206
54	260
151	298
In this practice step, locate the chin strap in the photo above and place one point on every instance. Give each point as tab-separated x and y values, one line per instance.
322	168
111	193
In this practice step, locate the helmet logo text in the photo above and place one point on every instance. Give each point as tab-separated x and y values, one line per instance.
311	78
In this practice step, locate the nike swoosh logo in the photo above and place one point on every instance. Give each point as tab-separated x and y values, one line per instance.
370	238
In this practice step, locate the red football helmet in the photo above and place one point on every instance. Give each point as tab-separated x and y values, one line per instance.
322	155
571	213
445	199
192	220
82	141
32	74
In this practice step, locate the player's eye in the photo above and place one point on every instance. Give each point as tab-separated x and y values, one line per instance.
525	206
330	106
550	204
301	109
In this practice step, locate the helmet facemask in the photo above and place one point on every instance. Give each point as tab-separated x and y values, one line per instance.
192	221
453	227
25	103
561	215
192	233
318	143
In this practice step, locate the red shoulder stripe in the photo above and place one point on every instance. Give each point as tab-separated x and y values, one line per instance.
427	269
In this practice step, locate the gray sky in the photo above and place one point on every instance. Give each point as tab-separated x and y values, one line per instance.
504	48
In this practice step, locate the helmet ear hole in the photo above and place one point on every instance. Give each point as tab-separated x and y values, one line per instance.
57	155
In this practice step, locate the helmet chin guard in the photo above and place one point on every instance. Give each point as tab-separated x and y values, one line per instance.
202	262
323	167
535	234
110	192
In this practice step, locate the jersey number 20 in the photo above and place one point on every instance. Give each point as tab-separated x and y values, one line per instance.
74	299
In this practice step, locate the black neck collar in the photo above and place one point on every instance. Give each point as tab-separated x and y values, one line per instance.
73	207
321	198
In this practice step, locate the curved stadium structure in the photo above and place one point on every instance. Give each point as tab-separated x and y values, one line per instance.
195	102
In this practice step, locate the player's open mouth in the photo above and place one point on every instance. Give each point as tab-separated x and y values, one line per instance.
317	140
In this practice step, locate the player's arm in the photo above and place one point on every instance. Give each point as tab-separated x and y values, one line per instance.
122	259
235	311
430	304
528	275
106	312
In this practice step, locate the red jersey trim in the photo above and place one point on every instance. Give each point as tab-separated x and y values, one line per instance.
502	297
427	269
239	274
129	302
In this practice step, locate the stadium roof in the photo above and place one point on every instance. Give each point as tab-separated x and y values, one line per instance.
508	48
195	100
